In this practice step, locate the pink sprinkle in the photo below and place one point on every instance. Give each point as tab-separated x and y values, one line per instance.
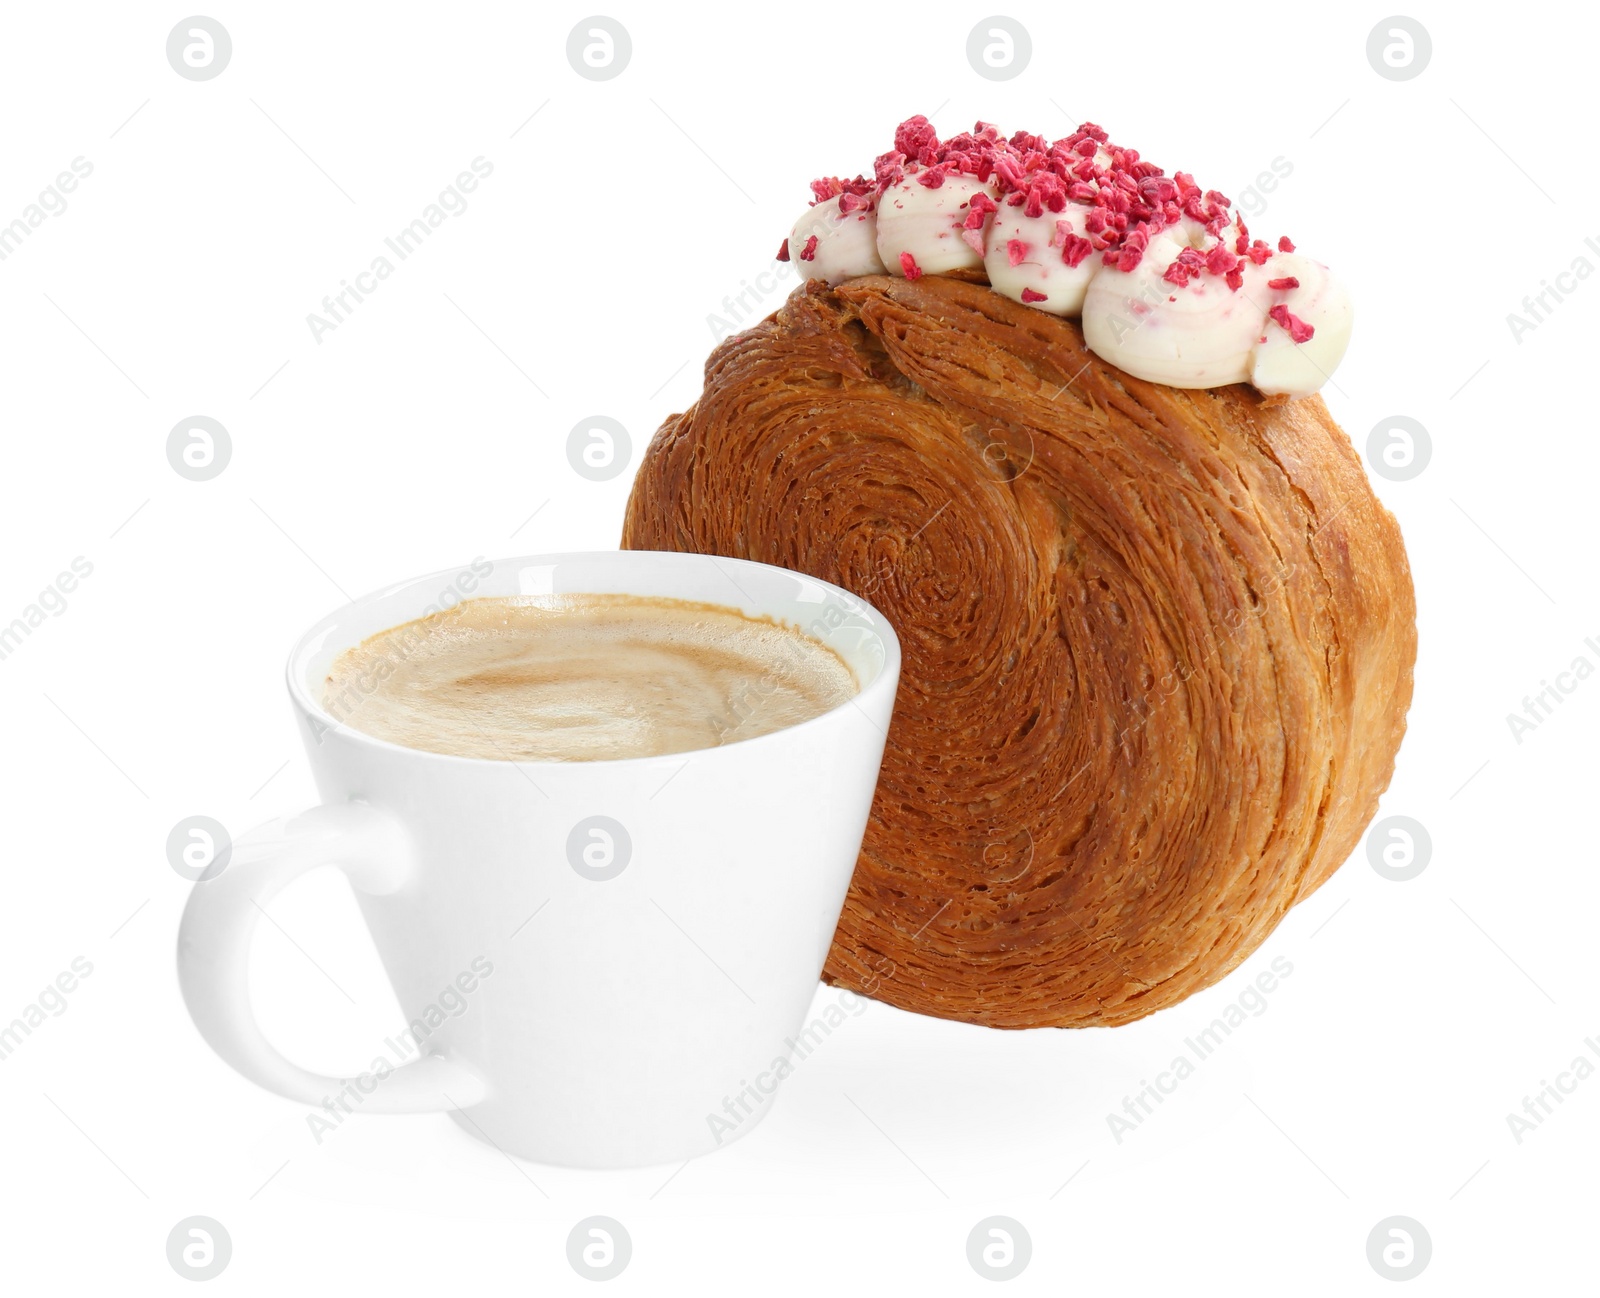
1028	295
916	138
809	252
1298	329
931	177
783	251
974	240
1284	245
1235	279
1185	266
1074	250
1157	190
1016	250
909	267
978	207
1288	281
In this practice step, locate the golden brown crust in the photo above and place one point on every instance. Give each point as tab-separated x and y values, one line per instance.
1158	643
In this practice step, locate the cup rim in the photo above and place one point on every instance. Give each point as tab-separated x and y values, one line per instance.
310	707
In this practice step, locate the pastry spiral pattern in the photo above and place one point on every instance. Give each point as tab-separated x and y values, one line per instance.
1158	643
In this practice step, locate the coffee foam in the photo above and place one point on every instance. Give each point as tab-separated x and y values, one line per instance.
583	678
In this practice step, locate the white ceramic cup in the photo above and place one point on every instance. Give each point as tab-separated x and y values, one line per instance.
595	957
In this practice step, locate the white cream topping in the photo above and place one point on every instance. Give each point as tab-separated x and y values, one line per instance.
1201	335
847	243
1037	241
1282	365
1198	335
926	223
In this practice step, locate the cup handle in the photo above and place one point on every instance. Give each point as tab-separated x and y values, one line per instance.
214	939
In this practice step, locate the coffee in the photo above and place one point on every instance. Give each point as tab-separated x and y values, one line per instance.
583	678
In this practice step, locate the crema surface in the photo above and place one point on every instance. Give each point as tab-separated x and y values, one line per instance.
583	678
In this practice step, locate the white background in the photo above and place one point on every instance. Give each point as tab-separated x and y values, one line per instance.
431	425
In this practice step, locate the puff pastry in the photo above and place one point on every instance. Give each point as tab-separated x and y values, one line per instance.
1158	642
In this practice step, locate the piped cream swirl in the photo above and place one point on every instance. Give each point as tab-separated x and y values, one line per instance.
1199	334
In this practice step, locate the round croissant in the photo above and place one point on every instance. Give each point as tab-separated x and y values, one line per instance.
1158	643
